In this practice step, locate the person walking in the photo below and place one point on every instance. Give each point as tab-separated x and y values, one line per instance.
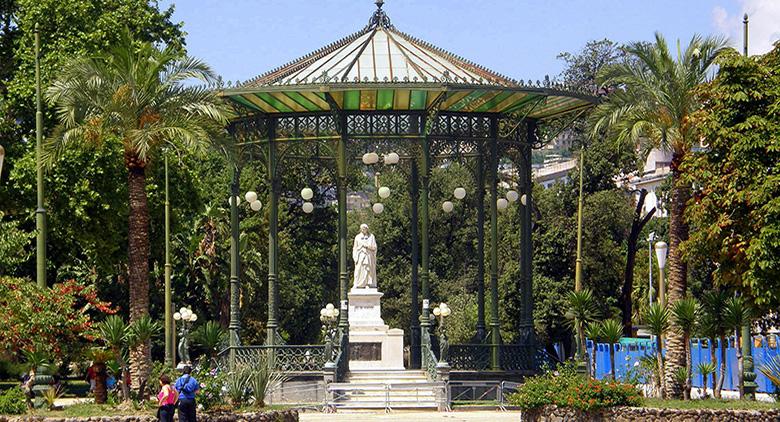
187	386
166	400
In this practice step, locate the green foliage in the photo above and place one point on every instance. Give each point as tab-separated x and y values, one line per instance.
56	321
737	313
565	388
142	330
235	388
713	309
685	315
610	331
12	402
114	331
582	307
211	337
657	319
771	370
211	383
51	395
14	246
706	369
736	209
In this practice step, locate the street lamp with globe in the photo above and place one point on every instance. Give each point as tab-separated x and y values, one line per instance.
187	317
329	315
442	311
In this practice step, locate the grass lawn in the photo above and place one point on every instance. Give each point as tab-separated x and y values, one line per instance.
709	404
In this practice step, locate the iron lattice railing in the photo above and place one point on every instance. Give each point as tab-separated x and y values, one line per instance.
285	358
513	357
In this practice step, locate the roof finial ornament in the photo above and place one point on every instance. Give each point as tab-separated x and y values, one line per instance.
379	18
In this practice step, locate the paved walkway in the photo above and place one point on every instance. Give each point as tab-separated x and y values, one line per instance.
413	416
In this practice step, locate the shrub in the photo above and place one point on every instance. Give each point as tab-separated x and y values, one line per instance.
12	402
566	388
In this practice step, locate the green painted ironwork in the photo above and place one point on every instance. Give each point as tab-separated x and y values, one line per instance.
234	326
495	334
273	235
414	311
479	198
527	334
40	211
307	359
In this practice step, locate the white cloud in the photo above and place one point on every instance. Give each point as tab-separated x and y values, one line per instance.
763	26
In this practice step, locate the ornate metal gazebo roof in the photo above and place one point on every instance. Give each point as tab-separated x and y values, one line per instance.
382	68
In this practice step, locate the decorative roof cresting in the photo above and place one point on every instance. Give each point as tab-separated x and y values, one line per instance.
382	54
379	18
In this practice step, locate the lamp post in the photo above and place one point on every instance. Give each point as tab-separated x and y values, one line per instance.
650	239
442	311
660	254
40	211
329	315
187	317
169	353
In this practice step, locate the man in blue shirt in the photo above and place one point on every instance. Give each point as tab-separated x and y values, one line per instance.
187	386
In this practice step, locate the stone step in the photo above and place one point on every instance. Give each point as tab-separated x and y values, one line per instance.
355	406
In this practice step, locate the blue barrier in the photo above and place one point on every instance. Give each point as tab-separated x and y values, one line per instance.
627	359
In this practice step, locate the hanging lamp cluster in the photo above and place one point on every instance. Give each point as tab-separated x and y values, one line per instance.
371	158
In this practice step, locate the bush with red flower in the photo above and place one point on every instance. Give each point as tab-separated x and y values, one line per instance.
57	321
563	387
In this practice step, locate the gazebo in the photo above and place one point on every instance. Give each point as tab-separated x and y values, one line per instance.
379	91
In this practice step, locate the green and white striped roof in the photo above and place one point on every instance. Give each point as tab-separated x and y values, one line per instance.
381	68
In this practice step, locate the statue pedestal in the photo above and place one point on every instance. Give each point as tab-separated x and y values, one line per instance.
372	344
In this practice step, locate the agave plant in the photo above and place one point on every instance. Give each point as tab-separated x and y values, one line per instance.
263	380
236	385
685	315
771	370
210	336
51	395
657	319
705	369
611	332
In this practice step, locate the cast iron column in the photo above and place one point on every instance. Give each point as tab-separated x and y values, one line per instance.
480	277
234	324
526	246
341	186
425	170
40	211
414	316
495	334
273	234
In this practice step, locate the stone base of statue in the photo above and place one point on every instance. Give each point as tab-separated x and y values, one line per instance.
372	344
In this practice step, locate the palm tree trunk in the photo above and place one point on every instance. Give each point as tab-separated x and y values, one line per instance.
678	283
740	365
659	355
688	369
713	359
138	266
101	395
722	375
119	377
612	360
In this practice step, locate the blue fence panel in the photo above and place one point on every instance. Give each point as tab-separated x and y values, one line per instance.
627	357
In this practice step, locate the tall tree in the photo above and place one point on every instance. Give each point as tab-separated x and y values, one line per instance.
133	96
651	107
736	208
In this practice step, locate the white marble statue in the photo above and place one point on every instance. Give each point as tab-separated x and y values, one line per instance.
364	255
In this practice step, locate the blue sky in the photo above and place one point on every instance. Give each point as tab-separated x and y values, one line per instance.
519	38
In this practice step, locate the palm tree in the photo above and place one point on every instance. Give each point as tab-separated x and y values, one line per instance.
114	332
611	332
593	332
685	315
133	96
582	309
705	369
657	319
210	336
738	314
650	106
140	332
713	304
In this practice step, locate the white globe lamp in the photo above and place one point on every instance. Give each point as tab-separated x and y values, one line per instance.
308	207
447	206
459	193
307	193
384	192
250	196
512	195
256	205
378	208
502	203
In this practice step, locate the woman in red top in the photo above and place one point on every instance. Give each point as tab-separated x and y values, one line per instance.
166	399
